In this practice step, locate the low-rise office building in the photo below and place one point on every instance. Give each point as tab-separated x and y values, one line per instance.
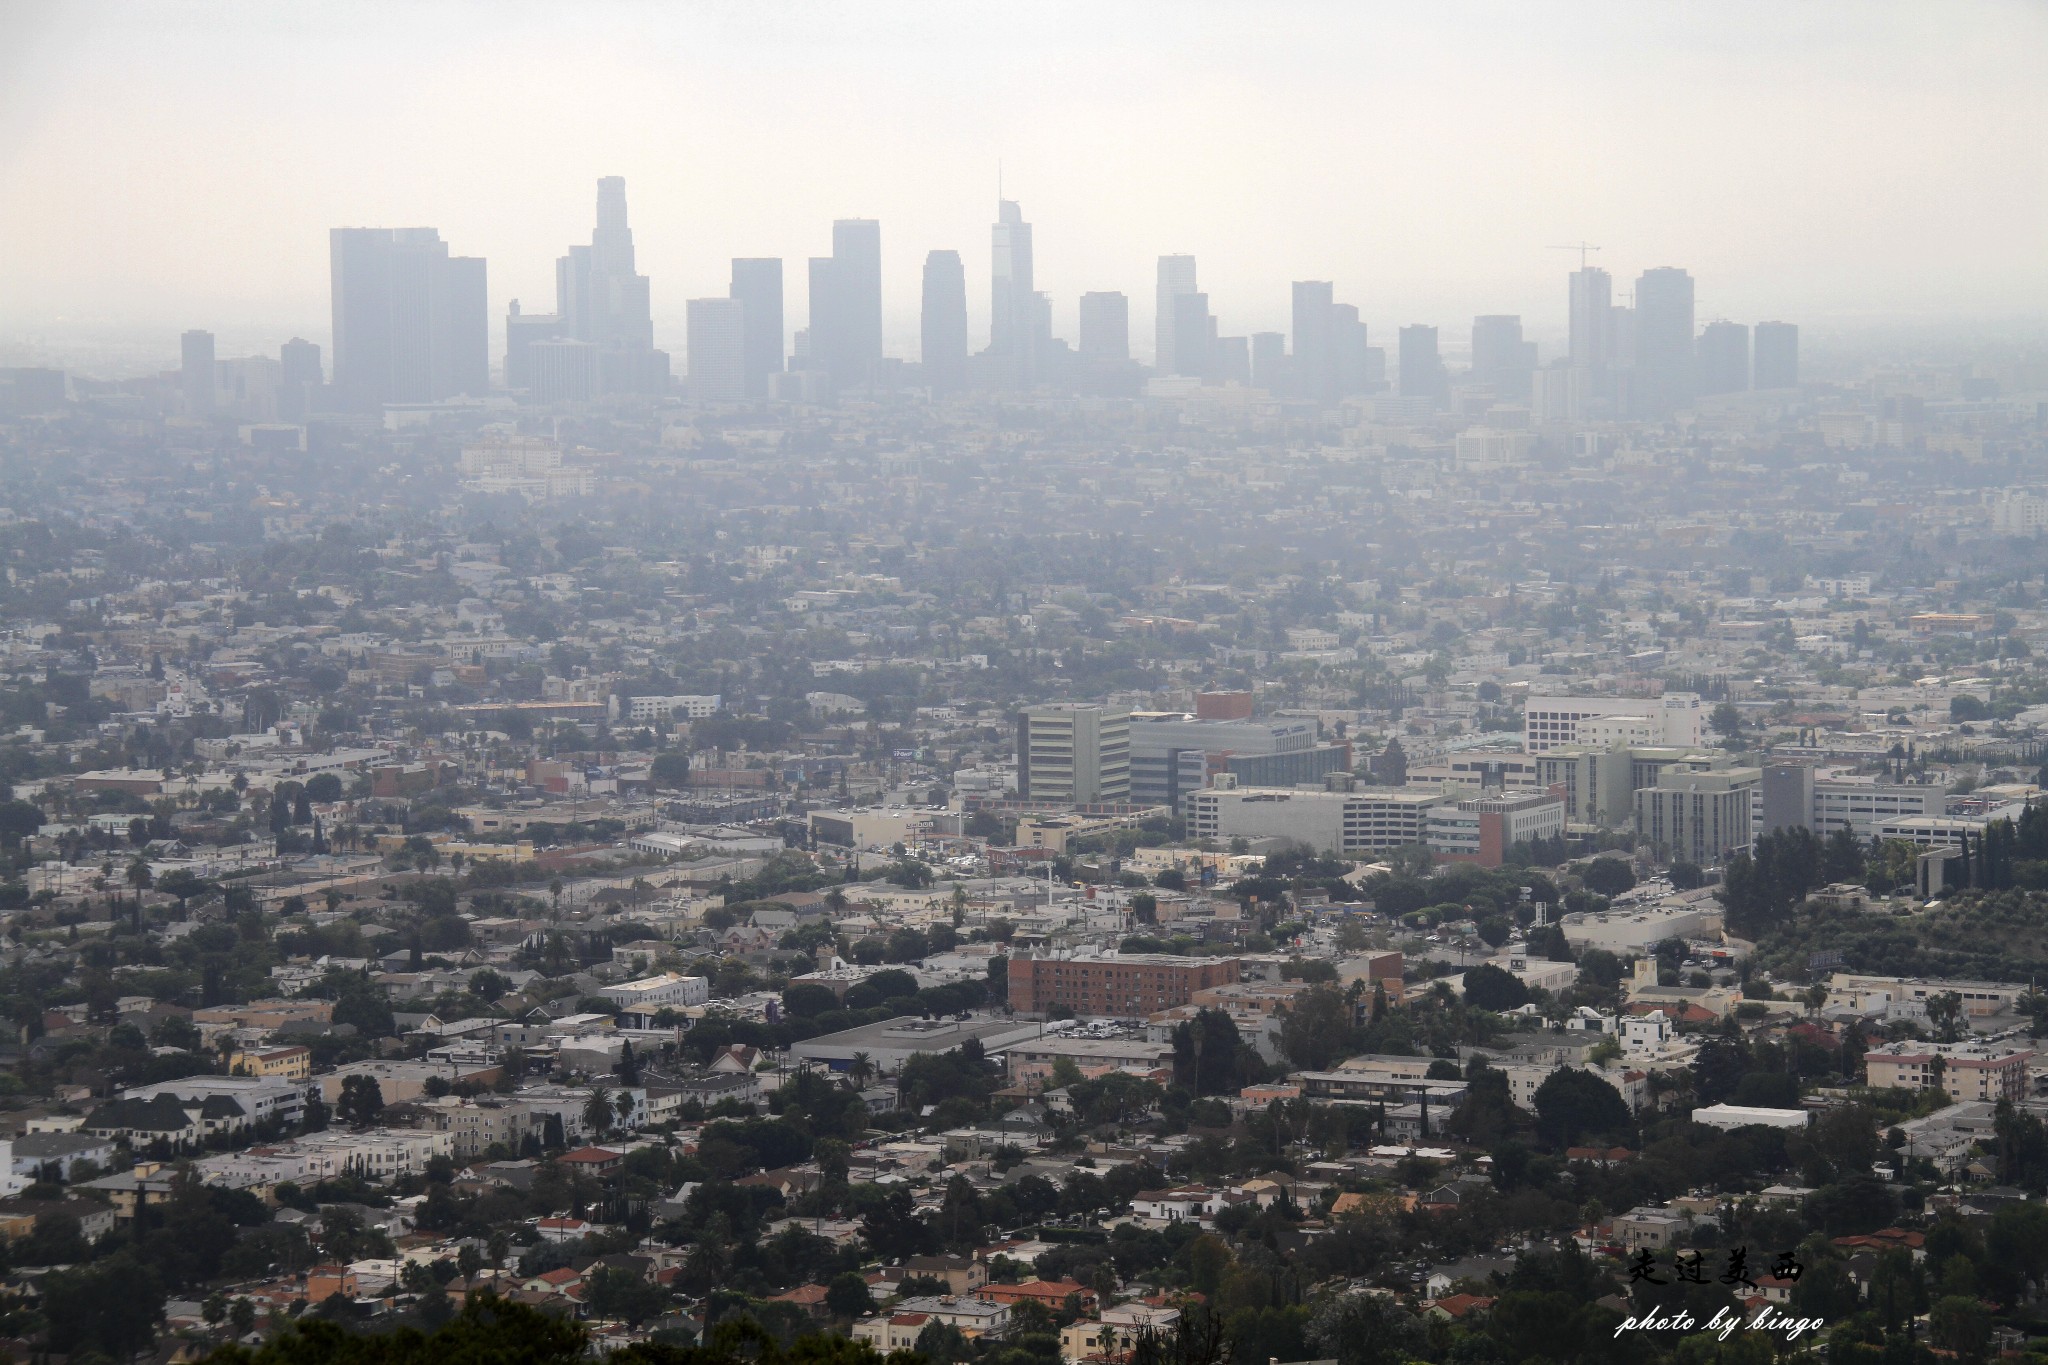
1341	822
1120	985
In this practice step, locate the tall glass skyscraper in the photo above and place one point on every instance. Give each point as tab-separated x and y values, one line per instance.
410	322
943	321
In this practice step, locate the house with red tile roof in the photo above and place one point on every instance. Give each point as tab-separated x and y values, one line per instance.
559	1281
809	1297
1886	1239
592	1160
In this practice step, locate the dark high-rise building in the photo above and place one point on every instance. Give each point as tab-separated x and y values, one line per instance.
1350	356
857	245
603	299
195	371
1191	338
1663	380
1592	325
718	350
1176	277
1315	354
1230	360
820	345
1013	298
298	363
1777	355
1501	360
410	321
757	284
1722	360
1105	327
562	369
1422	370
522	330
942	322
1269	361
299	377
846	303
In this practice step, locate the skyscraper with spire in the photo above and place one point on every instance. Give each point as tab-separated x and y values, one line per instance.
603	299
1013	302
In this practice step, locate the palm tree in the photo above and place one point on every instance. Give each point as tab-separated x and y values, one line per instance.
861	1070
140	877
597	1111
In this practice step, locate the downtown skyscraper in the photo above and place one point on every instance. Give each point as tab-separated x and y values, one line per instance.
717	349
602	299
1176	278
942	322
1105	326
757	285
1315	356
846	303
1776	355
1664	365
1591	303
1013	298
410	320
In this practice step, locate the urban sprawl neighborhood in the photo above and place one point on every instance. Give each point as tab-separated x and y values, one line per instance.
1287	853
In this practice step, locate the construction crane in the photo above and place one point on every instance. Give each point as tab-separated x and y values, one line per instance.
1581	247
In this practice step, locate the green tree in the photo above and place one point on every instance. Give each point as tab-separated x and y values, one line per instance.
361	1101
1364	1329
1572	1104
1318	1030
111	1307
626	1297
847	1296
598	1115
1487	987
1609	876
1960	1324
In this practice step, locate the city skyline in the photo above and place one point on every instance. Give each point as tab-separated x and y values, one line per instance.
1813	227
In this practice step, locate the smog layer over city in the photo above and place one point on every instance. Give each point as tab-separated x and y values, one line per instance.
1034	684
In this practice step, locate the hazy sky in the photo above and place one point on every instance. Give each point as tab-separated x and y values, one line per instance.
174	165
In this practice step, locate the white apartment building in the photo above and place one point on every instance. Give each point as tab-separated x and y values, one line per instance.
263	1098
668	990
1552	722
508	455
645	709
379	1154
1331	822
2017	513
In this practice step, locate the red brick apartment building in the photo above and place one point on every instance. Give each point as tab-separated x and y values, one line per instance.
1129	986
